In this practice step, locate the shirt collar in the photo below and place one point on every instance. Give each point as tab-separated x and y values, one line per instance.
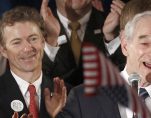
23	85
125	75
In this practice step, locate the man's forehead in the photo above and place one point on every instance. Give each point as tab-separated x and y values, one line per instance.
21	26
20	30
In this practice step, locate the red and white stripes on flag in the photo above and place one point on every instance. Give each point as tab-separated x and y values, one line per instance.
96	69
100	72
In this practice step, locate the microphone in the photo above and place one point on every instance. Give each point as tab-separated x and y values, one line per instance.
133	79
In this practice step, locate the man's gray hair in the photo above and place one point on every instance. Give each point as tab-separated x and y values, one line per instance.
130	26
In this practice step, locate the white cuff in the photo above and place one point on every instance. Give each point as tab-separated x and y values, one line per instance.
51	51
113	45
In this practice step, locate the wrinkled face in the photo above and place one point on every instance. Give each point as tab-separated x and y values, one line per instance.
76	4
138	49
24	45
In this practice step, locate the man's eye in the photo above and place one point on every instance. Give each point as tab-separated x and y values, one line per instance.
16	43
144	43
34	39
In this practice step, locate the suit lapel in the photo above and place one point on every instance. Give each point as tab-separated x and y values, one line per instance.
47	65
14	93
46	83
94	32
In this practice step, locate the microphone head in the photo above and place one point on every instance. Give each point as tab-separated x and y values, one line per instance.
134	77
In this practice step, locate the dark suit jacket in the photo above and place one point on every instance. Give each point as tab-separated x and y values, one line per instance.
64	64
81	106
9	91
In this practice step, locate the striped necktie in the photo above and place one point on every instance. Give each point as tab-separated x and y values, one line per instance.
143	94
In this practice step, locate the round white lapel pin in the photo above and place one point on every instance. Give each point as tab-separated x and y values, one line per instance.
17	105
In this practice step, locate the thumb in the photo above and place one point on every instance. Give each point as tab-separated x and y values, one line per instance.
24	116
15	115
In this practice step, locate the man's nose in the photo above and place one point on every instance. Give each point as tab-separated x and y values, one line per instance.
27	46
149	49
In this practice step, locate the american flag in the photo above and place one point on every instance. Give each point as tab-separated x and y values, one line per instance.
100	72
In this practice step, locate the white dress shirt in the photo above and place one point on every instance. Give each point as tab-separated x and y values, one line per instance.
23	85
51	51
123	110
111	46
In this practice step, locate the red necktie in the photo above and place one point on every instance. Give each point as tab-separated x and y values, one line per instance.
32	105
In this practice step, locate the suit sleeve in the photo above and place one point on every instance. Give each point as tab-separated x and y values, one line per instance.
72	108
1	110
1	114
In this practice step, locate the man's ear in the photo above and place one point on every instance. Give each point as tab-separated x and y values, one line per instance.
3	51
124	43
43	41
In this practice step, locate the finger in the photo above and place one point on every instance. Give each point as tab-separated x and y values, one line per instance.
44	7
121	3
64	96
30	116
118	3
15	115
47	94
48	16
44	4
62	85
58	85
24	116
116	8
113	11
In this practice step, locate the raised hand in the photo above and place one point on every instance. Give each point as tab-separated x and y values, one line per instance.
56	101
52	24
15	115
112	20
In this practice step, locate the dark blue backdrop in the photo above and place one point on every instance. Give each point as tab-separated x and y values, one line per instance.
7	4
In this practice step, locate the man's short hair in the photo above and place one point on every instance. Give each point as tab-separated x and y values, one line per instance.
21	14
130	26
132	8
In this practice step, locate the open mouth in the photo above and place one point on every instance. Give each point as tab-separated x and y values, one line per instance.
29	58
147	64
